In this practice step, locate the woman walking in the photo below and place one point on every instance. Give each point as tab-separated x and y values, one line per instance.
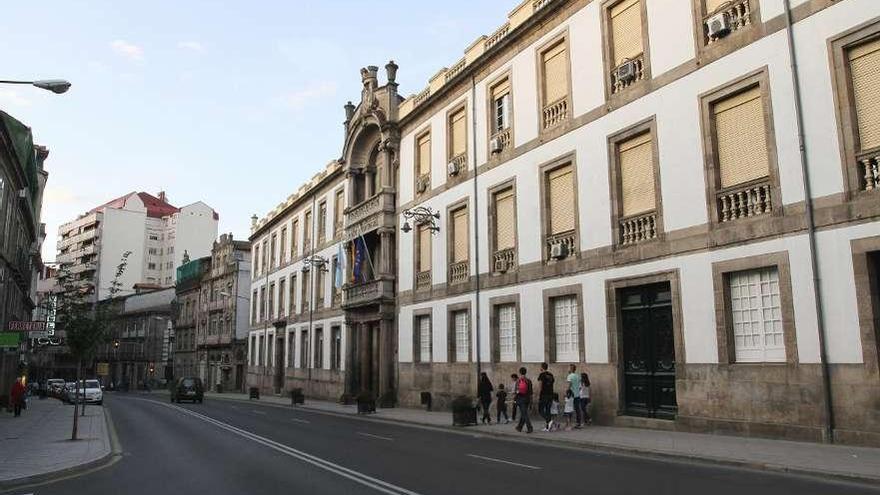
585	398
484	391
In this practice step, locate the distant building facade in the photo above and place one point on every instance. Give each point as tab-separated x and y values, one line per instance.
156	233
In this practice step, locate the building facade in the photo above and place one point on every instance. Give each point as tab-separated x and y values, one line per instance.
187	318
155	233
678	196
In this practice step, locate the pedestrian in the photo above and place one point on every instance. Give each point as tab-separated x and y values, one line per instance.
574	384
501	404
513	379
484	391
523	400
569	408
554	414
585	398
16	396
545	396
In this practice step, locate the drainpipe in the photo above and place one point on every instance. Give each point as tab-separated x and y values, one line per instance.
811	227
476	211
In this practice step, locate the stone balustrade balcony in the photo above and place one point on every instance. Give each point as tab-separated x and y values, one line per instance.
496	36
503	138
869	170
555	113
744	201
638	228
423	280
371	214
367	293
738	14
619	83
459	272
567	242
458	164
504	261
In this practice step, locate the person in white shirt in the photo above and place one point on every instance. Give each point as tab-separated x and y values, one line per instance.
569	408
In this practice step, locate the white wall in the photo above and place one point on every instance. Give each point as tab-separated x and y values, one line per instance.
195	233
121	231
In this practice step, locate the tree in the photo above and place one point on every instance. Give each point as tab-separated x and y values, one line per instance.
85	321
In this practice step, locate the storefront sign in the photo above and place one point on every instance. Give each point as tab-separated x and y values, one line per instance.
26	326
50	316
10	339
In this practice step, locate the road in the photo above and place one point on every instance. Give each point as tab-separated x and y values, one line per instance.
225	447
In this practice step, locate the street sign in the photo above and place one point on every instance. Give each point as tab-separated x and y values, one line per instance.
103	369
26	326
10	339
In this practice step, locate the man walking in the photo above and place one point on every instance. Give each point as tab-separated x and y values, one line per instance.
545	396
574	384
523	401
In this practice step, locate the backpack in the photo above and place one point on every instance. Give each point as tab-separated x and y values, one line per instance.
524	387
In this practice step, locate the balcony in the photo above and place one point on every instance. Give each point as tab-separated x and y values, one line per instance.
497	36
367	293
869	170
502	137
459	272
744	201
738	15
423	280
555	113
561	245
457	164
637	228
369	215
627	74
504	261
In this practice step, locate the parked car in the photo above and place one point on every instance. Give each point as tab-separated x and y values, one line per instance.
188	388
55	386
68	392
90	389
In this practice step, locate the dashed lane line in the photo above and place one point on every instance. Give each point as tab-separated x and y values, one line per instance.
502	461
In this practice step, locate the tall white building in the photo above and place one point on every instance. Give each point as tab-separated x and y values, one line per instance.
156	233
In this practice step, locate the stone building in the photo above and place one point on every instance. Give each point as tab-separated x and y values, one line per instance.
211	321
621	185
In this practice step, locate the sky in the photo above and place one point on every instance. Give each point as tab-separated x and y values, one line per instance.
234	105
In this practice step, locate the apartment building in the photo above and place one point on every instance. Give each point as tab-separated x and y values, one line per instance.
155	233
678	196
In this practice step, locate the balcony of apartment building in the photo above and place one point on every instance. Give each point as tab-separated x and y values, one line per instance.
370	214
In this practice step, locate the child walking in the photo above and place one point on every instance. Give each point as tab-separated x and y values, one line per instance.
569	408
513	379
553	424
501	404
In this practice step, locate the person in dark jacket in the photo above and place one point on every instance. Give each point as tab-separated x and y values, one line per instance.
16	396
523	391
484	391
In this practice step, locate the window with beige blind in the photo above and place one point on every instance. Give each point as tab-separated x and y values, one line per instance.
460	235
339	212
282	307
424	249
500	101
282	248
322	221
423	155
457	134
741	138
294	247
554	65
626	31
319	288
307	231
505	219
636	159
561	200
306	280
292	302
864	68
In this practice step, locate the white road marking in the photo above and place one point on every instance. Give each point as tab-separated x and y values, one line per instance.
376	436
258	412
303	421
503	461
357	477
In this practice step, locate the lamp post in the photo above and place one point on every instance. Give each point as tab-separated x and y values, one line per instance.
319	263
57	86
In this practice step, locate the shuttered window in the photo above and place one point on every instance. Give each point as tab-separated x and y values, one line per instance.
307	231
424	154
555	67
294	247
501	106
306	280
282	307
756	312
507	332
457	135
424	329
560	184
626	31
741	138
339	208
505	220
292	302
864	63
460	235
565	328
424	249
462	340
637	174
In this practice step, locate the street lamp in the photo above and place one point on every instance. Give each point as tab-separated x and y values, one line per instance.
421	215
56	86
319	263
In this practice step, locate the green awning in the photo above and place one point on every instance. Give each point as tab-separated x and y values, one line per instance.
23	147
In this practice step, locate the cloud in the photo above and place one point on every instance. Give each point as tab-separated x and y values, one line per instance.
300	98
193	46
128	50
12	98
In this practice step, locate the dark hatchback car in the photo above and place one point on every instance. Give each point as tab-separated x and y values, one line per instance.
188	388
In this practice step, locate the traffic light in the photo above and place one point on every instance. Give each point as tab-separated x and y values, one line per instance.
152	368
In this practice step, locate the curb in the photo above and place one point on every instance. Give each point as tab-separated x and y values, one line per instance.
105	460
598	447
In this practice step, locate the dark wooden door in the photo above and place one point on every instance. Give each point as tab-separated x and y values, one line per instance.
648	351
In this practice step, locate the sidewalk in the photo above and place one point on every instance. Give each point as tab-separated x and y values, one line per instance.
38	442
837	461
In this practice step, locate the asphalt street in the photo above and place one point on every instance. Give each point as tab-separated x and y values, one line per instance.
226	447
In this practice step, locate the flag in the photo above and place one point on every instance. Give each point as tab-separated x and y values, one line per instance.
340	260
358	257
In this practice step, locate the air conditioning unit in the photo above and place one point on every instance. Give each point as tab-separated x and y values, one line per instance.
558	251
452	168
626	72
718	25
500	265
496	146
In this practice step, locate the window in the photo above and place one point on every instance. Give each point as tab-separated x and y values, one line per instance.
264	310
322	221
151	266
565	329
282	310
260	357
257	260
270	305
461	327
423	327
307	231
756	314
626	50
741	138
507	341
255	315
554	84
864	66
423	159
282	247
335	348
292	303
500	106
319	348
303	348
457	136
294	247
270	356
560	219
423	267
306	302
634	192
504	236
273	250
320	276
253	353
291	349
266	266
339	212
459	267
